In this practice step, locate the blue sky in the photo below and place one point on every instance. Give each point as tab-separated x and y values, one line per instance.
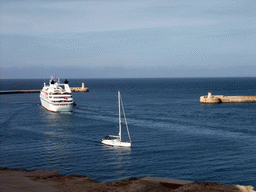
127	39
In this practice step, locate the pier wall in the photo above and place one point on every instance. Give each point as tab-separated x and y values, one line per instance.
19	91
73	89
212	99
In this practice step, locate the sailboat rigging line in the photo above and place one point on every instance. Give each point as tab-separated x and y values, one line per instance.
125	120
119	108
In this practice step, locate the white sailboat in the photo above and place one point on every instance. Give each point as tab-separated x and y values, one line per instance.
116	140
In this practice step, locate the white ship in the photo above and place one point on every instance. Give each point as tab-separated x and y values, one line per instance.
57	97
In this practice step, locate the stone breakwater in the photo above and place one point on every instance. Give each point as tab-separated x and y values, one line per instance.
73	89
213	99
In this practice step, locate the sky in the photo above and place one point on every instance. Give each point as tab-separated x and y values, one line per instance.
127	39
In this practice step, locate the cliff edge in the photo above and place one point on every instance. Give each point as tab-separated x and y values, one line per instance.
52	181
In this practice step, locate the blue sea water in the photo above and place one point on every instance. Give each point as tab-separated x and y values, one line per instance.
173	135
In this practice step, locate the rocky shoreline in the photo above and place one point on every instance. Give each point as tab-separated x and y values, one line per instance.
51	181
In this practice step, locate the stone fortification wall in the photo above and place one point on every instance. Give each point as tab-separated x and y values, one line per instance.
79	89
212	99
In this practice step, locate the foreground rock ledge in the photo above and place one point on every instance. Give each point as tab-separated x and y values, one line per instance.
51	181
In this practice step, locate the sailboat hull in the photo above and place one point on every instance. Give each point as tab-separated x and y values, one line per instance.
116	142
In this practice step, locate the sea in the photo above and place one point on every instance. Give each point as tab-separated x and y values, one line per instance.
173	135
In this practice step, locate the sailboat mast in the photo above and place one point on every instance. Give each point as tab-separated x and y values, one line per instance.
119	106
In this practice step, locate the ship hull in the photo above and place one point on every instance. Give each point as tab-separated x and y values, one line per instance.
56	107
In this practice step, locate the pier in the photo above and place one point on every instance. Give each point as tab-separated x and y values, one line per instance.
213	99
73	89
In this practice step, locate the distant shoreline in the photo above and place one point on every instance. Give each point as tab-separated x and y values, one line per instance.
115	78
